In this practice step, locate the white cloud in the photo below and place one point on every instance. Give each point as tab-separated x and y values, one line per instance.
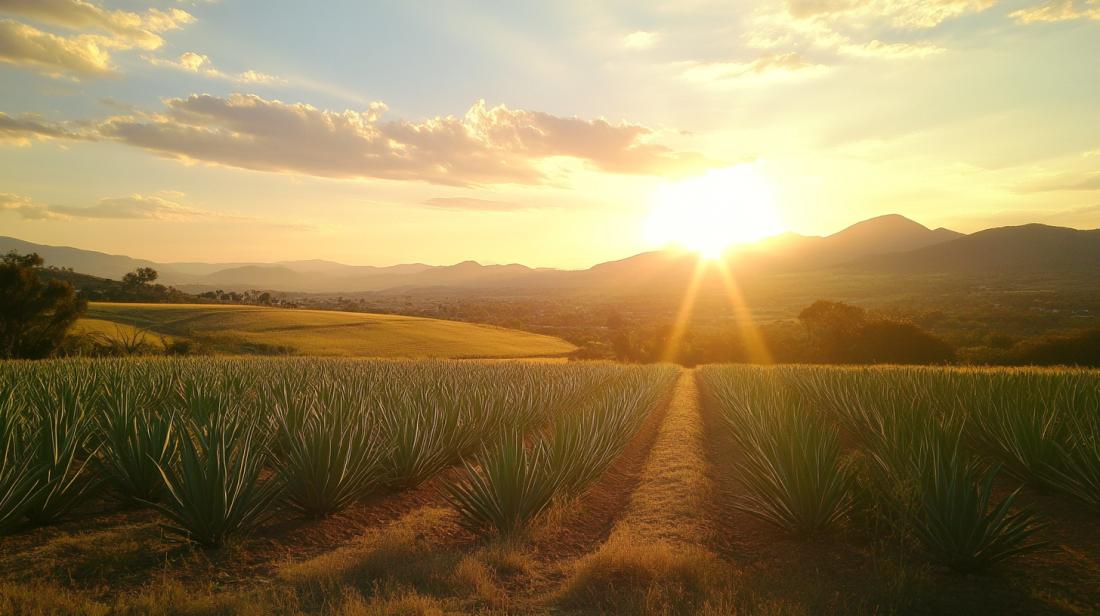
192	62
1058	10
641	39
770	67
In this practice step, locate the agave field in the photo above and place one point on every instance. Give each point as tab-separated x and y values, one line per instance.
921	449
377	486
216	446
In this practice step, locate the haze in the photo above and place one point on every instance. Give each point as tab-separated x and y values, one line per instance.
380	133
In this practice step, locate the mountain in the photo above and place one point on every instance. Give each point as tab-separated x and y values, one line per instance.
1032	248
889	244
88	262
879	235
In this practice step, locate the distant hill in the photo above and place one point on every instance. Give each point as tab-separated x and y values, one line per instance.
89	262
1030	248
890	243
879	235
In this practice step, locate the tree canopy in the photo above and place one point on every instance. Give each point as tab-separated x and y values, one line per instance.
34	315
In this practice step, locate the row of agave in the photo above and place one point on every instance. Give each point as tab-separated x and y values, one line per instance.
517	478
918	437
216	445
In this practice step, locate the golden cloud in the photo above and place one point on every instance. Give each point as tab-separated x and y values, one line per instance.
488	145
89	52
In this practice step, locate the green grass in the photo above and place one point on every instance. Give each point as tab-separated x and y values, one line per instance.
262	330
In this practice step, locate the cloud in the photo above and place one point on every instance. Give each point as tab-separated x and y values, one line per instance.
905	14
878	49
138	206
641	39
1088	181
52	54
1058	10
488	145
133	207
21	130
857	28
767	67
26	208
192	62
483	205
87	53
129	29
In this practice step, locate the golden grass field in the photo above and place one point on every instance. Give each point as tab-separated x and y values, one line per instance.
257	329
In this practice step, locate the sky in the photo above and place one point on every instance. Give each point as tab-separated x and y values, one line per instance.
547	134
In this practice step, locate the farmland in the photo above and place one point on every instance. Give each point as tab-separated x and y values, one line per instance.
345	486
234	329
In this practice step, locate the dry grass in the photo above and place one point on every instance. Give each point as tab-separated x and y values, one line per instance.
655	561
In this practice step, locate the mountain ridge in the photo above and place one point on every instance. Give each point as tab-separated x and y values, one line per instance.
889	242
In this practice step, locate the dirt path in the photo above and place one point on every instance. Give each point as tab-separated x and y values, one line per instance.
581	526
655	559
674	485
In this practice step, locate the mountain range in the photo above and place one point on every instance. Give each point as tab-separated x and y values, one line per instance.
885	244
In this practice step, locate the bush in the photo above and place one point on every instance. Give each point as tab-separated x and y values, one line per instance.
34	315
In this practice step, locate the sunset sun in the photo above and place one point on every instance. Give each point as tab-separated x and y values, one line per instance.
711	212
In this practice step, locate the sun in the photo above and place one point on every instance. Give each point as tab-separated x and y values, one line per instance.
711	212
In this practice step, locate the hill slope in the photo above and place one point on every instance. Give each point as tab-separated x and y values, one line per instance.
1030	248
256	329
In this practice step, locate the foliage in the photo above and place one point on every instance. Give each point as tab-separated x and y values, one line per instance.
509	486
139	277
792	464
512	483
214	490
328	459
957	521
20	475
842	333
34	315
137	441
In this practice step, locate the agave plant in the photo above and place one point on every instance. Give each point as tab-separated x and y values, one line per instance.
792	463
329	460
956	519
214	490
1080	474
507	487
60	445
20	476
136	442
423	444
795	474
1029	435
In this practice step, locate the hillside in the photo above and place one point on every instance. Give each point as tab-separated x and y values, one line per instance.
255	329
1029	249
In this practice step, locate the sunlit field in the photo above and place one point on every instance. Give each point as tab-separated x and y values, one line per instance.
237	329
343	486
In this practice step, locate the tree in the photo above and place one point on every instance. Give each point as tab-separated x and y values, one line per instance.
140	277
846	334
833	328
34	315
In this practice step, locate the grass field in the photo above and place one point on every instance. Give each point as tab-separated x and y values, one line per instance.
439	487
235	329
